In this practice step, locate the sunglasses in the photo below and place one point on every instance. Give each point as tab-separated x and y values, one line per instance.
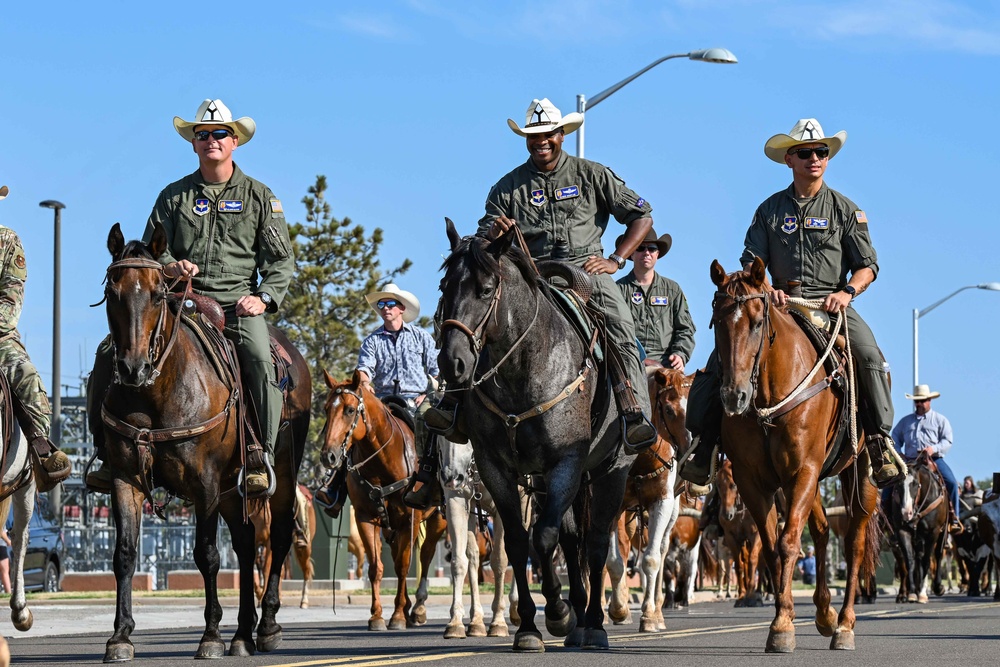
218	135
647	248
387	303
804	153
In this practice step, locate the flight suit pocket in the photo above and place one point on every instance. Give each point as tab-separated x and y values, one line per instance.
274	243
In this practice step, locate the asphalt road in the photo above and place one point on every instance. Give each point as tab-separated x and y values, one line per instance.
950	630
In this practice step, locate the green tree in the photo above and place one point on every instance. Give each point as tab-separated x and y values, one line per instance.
325	313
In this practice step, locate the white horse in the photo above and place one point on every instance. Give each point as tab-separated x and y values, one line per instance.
464	494
17	474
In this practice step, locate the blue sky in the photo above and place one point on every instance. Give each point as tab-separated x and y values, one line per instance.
402	104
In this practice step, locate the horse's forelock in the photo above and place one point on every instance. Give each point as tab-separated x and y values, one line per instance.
134	249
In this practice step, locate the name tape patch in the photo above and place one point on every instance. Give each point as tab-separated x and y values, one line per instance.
568	192
816	223
230	205
658	301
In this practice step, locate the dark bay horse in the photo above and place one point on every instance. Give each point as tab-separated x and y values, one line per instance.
918	515
170	421
764	356
381	457
536	406
304	516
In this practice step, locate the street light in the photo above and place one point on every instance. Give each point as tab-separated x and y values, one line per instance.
55	431
917	314
706	56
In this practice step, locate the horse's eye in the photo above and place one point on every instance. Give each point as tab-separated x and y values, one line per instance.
486	292
349	411
757	325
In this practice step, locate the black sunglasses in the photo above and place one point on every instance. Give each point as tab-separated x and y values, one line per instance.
387	303
650	248
218	135
822	152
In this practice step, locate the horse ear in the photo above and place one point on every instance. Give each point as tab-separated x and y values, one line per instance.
330	382
718	273
356	379
158	244
661	377
453	236
116	241
757	273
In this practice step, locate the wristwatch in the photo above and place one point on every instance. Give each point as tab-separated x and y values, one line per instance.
850	290
620	261
266	298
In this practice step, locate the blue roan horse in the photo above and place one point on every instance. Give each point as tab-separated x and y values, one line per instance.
529	412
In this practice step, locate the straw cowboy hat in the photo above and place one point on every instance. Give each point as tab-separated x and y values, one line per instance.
663	243
806	131
214	112
921	392
3	191
542	116
411	304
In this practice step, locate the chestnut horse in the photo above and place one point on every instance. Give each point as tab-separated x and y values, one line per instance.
764	356
680	563
649	492
171	420
381	457
304	515
740	534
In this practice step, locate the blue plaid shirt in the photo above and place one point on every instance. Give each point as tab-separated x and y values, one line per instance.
399	364
914	432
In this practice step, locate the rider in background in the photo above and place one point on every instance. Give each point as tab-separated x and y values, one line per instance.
30	401
226	233
929	431
663	324
562	204
396	360
811	238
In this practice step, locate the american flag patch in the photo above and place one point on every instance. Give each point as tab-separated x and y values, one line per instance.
860	215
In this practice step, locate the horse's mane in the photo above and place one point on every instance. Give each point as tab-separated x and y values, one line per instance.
477	249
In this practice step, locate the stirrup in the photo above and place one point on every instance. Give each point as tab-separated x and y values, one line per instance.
447	428
271	478
643	432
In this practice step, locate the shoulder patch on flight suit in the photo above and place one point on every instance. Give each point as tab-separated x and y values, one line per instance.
861	217
568	192
658	301
276	206
816	223
791	224
230	205
201	206
538	197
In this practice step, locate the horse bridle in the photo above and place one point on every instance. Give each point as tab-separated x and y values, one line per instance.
739	300
361	414
154	355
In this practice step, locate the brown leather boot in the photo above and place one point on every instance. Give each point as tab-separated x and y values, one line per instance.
639	433
51	466
333	496
425	489
100	480
444	419
887	466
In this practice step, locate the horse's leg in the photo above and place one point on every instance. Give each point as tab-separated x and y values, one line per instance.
477	628
861	544
282	505
243	543
618	610
372	542
819	528
458	534
126	504
572	546
402	551
23	506
562	484
607	498
206	557
304	557
434	526
498	563
661	521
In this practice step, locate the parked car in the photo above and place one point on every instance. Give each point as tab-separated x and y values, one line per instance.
44	558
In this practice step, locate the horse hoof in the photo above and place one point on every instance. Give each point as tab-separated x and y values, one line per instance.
454	631
596	639
477	629
843	640
376	625
397	623
826	623
528	642
575	639
23	620
560	619
120	652
303	605
241	648
648	625
922	598
498	630
622	620
912	597
268	643
780	642
419	616
211	650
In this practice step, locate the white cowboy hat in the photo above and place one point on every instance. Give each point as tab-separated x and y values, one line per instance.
411	304
806	131
214	112
542	116
922	391
4	190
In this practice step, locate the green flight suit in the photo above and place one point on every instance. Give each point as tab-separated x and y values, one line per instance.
663	323
21	374
239	240
564	213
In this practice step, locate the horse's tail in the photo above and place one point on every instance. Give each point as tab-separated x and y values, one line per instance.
873	543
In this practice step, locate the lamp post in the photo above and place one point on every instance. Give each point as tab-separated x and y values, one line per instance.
55	432
705	56
917	314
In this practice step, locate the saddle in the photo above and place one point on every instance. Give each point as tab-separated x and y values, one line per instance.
401	410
